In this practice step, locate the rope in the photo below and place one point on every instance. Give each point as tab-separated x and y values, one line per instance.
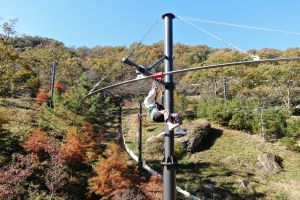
239	25
217	37
213	66
143	38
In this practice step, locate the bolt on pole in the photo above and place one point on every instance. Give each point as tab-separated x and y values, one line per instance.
169	172
140	162
53	72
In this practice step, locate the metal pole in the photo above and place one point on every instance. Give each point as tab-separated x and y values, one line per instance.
169	173
120	122
225	89
140	162
289	94
52	83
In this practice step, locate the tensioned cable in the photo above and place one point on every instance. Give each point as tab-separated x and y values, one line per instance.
143	38
213	66
238	25
215	36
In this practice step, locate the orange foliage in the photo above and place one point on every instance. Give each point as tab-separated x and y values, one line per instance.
68	93
81	146
58	87
73	148
37	142
112	174
42	97
154	188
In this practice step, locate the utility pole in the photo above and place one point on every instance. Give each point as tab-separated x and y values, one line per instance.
140	162
225	89
215	88
169	172
53	72
262	124
289	84
120	121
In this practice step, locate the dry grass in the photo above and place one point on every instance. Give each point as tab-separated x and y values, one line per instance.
216	171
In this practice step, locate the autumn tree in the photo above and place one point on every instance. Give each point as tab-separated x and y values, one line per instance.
154	187
9	27
73	148
42	97
113	174
37	142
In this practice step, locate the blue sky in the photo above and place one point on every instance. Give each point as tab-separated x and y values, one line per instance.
119	22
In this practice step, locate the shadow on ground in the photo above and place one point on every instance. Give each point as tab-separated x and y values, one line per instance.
199	179
210	139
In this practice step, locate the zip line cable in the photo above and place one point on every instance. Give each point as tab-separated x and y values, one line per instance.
217	37
213	66
98	83
143	38
238	25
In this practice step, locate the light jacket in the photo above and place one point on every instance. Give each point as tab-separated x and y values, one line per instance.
150	99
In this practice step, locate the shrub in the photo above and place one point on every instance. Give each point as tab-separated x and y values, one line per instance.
241	120
220	113
36	143
13	177
289	142
274	123
130	194
73	148
179	150
154	187
58	87
112	175
293	129
42	97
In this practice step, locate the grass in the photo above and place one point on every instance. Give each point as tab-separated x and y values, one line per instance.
226	158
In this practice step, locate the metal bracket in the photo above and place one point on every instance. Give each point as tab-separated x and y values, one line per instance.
138	67
169	161
151	67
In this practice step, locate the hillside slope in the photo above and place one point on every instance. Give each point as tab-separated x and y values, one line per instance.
227	158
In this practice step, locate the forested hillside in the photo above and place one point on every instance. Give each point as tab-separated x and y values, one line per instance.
72	151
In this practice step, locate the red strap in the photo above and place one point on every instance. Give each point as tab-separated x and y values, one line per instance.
158	75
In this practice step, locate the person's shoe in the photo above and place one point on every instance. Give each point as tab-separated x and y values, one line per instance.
171	126
175	118
180	132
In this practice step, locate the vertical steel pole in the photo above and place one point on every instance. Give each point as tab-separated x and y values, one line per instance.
120	122
140	162
52	83
169	173
289	94
225	89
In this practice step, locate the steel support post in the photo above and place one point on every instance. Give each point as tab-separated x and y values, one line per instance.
140	162
169	172
53	72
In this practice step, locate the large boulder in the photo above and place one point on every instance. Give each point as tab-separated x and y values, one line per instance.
197	131
270	163
155	144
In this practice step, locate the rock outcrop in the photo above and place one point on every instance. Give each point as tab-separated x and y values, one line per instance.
270	163
197	131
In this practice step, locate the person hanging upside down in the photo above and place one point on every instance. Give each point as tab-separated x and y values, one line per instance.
157	112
